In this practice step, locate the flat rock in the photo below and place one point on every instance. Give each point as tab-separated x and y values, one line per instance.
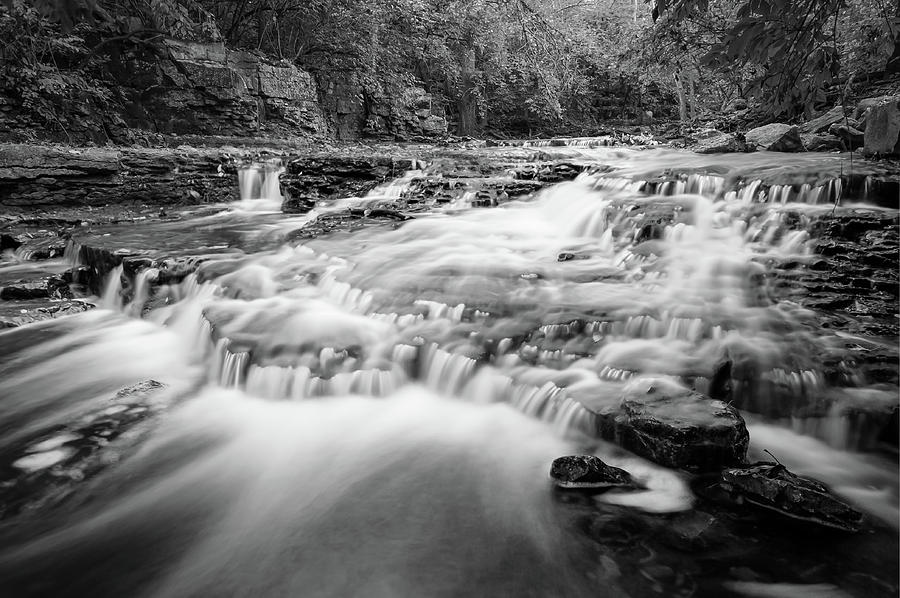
776	137
587	472
771	486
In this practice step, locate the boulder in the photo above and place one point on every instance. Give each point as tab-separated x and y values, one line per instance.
820	143
587	472
771	486
821	123
850	136
776	137
678	427
720	144
882	134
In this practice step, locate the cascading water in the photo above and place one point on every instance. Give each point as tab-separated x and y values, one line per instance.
374	414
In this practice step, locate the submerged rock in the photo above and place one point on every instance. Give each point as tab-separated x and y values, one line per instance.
771	486
776	137
587	472
678	427
52	463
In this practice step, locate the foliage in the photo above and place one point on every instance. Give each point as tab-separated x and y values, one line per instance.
785	54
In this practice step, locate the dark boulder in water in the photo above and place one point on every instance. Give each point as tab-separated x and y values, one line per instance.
587	472
678	427
771	486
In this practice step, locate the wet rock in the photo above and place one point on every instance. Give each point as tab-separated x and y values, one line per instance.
297	205
821	123
776	137
19	313
24	290
587	472
720	144
680	428
771	486
882	135
42	248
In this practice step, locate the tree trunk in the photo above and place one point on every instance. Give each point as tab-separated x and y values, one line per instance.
692	99
682	102
467	104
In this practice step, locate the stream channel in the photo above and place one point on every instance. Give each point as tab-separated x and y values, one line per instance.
365	399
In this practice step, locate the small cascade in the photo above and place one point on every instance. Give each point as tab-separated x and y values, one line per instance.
112	290
259	185
396	188
445	372
141	292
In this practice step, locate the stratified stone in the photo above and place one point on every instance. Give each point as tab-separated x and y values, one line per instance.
24	290
587	472
776	137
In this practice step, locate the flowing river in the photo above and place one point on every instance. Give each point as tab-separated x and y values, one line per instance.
372	411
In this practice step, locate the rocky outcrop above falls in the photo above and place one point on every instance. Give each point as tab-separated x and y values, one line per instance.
42	177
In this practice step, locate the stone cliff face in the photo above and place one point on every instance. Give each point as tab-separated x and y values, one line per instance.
215	90
187	82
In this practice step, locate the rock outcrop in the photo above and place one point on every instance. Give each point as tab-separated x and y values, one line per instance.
36	176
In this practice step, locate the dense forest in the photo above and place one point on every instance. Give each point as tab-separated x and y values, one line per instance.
503	67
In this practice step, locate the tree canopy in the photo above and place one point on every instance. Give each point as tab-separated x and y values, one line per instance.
532	64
